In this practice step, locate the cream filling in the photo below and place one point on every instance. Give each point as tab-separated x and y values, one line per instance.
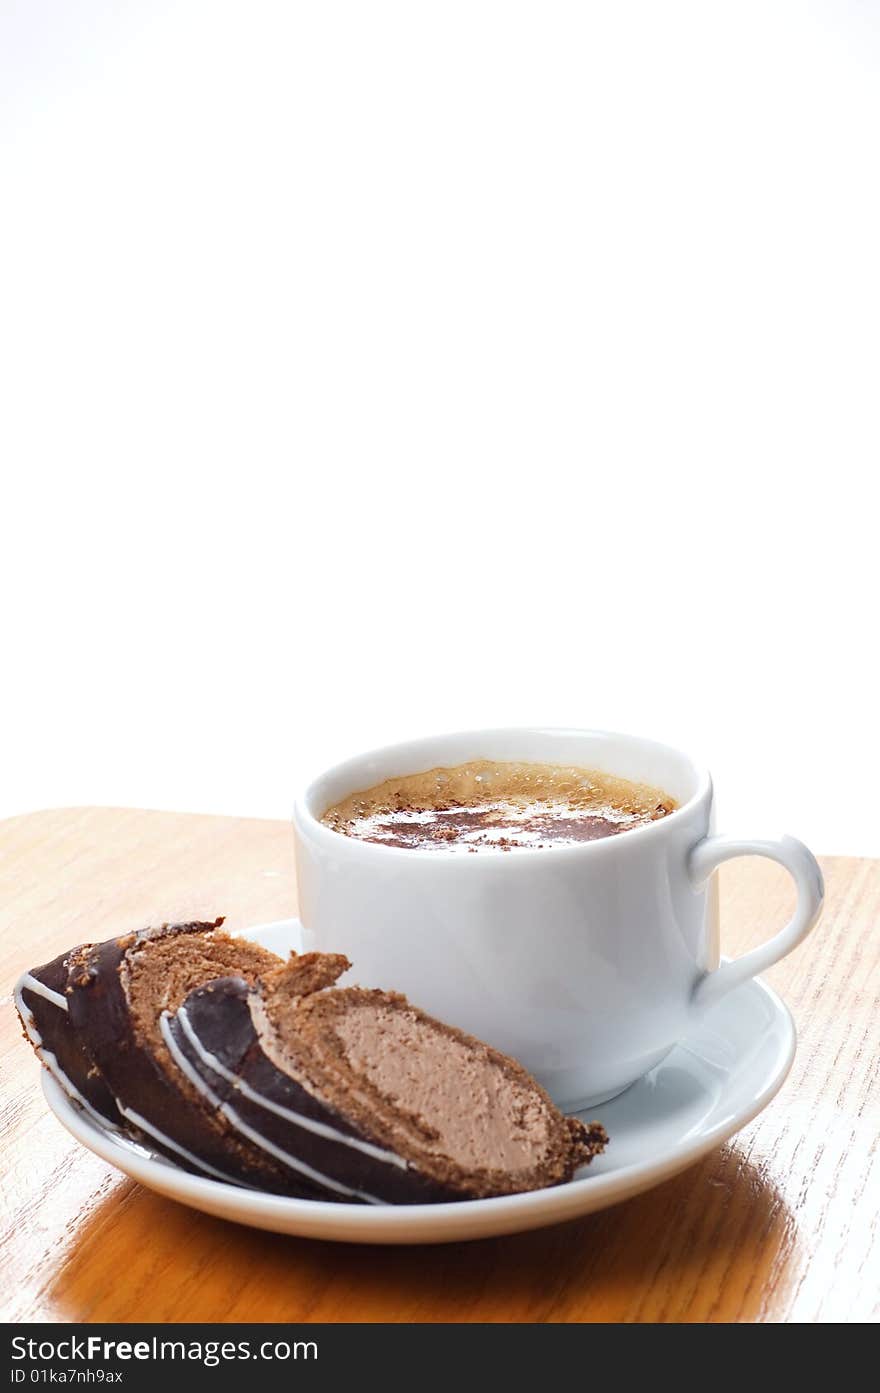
485	1119
321	1129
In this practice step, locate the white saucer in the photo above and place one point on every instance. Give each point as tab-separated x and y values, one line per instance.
709	1087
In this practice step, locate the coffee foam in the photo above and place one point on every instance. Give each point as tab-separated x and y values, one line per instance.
544	804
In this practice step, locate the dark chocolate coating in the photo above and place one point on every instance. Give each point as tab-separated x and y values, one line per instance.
58	1037
219	1016
99	1011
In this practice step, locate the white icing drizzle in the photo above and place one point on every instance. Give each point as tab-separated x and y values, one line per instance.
321	1129
50	1059
238	1122
27	982
144	1126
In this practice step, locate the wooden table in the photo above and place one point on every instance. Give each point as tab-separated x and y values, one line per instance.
781	1224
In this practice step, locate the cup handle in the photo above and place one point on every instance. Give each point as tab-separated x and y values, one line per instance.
803	867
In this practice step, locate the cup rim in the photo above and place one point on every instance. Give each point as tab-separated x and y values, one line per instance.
303	816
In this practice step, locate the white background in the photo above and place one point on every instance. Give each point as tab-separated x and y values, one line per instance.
374	369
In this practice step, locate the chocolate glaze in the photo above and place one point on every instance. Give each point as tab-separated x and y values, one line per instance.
218	1016
74	1065
176	1120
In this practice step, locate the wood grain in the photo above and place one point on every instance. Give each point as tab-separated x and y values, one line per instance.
782	1224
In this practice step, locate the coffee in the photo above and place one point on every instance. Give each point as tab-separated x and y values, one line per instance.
493	806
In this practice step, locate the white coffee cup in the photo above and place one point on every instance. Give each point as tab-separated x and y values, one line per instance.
589	962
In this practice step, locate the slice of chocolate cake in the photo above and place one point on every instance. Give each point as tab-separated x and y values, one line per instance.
368	1097
116	994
